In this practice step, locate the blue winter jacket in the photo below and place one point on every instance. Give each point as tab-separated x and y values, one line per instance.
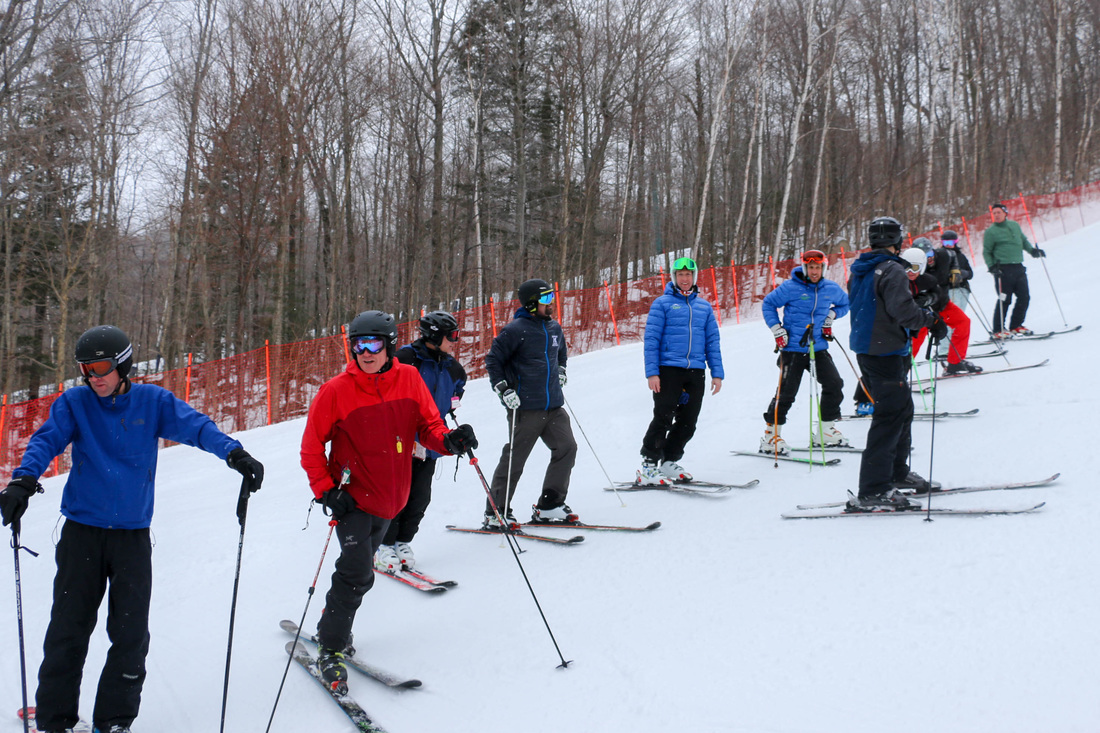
804	303
883	309
526	354
681	331
441	372
114	455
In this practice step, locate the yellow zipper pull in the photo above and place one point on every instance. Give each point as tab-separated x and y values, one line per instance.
399	444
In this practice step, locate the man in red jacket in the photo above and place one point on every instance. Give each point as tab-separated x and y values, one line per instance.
370	415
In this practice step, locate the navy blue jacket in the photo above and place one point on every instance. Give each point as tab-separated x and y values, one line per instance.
681	331
526	354
115	450
804	303
441	372
882	305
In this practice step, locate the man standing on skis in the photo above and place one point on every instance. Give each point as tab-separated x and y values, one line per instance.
1003	246
810	303
114	427
370	415
681	340
526	366
883	313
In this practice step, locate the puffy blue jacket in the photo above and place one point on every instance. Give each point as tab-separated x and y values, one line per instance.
526	354
441	372
115	450
882	305
804	303
681	331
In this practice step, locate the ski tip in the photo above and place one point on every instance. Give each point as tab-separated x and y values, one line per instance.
654	525
288	625
25	713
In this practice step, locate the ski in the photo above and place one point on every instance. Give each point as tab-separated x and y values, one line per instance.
969	357
698	483
1033	337
957	490
352	709
602	527
917	512
375	673
922	415
795	459
420	575
827	449
520	533
82	726
920	384
708	489
413	581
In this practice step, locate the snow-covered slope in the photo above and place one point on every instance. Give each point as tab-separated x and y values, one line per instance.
728	618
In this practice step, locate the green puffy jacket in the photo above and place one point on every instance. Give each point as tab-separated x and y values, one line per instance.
1004	244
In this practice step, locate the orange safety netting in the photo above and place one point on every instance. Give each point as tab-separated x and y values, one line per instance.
277	383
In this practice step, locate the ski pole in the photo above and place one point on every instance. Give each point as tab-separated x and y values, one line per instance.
775	415
512	545
932	447
855	371
594	454
16	547
242	514
344	478
1044	261
808	341
984	320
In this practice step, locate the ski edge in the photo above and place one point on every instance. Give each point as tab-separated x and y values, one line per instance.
375	673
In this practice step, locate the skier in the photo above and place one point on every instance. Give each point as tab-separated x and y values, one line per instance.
1003	246
446	381
957	268
113	426
526	365
370	414
681	340
929	292
811	303
882	310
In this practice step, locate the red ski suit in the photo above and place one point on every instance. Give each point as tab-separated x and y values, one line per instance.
371	420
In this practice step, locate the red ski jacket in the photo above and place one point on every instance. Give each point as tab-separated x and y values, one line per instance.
371	421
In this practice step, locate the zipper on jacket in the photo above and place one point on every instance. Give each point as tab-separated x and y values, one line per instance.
546	355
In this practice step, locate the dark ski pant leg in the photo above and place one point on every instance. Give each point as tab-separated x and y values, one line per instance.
528	428
793	363
664	412
832	386
557	434
359	534
78	590
886	457
687	414
1023	297
130	569
1012	282
404	526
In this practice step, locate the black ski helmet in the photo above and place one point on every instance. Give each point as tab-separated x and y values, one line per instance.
435	326
949	238
106	342
884	231
530	292
375	323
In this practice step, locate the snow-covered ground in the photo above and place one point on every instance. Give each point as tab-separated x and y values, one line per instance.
728	618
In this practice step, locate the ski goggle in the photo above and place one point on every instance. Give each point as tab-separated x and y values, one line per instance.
371	344
914	267
684	263
99	368
949	242
547	298
452	336
814	255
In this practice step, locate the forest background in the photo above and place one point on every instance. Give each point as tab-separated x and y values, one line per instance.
217	174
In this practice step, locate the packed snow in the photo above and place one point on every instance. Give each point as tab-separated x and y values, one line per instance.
727	618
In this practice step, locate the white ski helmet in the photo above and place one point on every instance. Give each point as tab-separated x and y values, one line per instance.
916	258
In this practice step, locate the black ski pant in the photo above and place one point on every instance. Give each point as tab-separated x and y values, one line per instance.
675	413
89	560
886	457
1011	282
360	534
793	364
554	429
404	526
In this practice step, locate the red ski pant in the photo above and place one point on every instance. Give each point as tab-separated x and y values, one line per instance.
955	319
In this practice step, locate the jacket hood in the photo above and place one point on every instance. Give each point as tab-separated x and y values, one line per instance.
868	261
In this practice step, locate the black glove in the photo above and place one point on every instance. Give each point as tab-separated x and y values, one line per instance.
14	498
995	270
1036	252
247	466
460	440
937	331
338	502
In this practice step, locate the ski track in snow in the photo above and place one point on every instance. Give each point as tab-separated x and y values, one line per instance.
727	618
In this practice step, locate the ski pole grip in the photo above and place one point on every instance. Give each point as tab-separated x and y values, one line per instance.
242	502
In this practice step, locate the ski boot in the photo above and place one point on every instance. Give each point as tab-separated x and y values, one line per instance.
405	555
915	482
492	524
650	475
333	670
386	559
1022	331
865	408
963	367
675	472
771	442
833	438
890	501
560	514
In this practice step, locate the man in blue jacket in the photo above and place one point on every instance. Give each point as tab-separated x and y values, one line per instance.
810	304
526	366
681	340
884	317
446	380
113	426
